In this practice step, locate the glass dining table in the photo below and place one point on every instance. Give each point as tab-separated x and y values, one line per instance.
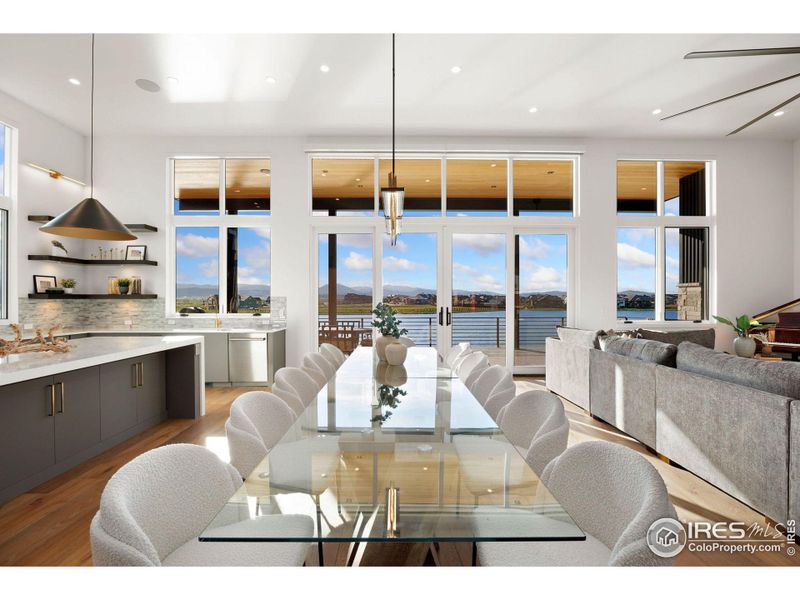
395	454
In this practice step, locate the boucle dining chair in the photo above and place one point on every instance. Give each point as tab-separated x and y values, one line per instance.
474	361
154	508
455	352
315	360
502	393
535	422
258	421
483	385
300	382
333	354
613	494
289	396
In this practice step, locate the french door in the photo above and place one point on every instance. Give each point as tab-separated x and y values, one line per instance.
504	290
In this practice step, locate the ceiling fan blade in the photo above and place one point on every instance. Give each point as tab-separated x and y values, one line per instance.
736	95
766	114
744	52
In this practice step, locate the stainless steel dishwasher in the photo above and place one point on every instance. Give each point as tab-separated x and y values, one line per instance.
248	361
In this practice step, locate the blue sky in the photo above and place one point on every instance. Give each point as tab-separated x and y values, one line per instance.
478	261
636	259
197	256
2	156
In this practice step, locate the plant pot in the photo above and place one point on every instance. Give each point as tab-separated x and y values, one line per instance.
744	347
380	345
69	290
396	353
123	289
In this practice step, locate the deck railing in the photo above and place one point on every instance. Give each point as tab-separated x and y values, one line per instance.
481	331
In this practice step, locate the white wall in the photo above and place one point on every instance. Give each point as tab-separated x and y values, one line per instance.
797	219
755	245
46	142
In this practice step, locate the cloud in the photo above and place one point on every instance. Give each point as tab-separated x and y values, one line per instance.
358	262
392	263
633	257
544	279
483	244
488	283
354	240
672	262
190	244
209	269
250	276
636	236
537	248
466	269
257	257
401	246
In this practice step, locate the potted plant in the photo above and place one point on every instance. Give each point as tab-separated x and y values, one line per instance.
743	345
388	325
123	283
57	248
68	285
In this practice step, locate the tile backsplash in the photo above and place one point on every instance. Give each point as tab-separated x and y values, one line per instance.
142	314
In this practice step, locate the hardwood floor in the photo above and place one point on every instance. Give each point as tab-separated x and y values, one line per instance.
49	526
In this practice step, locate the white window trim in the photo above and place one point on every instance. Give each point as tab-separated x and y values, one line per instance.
222	222
660	222
8	201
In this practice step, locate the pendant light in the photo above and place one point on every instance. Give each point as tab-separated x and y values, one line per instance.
392	196
89	219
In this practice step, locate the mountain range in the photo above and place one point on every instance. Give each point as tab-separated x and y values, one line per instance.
193	290
410	291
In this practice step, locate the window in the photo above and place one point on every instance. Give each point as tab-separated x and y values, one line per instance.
477	188
543	188
422	180
343	186
222	240
663	269
5	211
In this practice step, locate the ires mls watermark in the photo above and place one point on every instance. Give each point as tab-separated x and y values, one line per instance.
668	537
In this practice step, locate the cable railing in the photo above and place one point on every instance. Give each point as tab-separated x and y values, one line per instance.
488	331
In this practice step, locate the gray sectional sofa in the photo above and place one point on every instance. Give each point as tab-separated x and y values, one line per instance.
733	421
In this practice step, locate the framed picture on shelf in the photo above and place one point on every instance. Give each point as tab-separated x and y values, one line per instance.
135	252
42	283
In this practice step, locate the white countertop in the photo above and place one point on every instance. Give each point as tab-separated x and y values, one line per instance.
169	331
87	352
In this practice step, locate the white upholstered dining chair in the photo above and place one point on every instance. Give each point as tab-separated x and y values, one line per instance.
316	361
258	421
333	354
501	394
154	508
474	362
613	494
300	382
455	352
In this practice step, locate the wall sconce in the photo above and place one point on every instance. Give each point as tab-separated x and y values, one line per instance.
55	174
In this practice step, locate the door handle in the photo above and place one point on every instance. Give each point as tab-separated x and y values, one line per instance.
449	317
441	316
52	389
61	385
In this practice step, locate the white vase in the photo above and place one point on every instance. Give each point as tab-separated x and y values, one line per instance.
396	354
380	345
744	347
68	290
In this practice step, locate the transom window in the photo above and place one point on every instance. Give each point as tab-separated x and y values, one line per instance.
457	186
222	239
5	212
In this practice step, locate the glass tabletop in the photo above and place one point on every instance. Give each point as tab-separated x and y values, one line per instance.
420	362
373	461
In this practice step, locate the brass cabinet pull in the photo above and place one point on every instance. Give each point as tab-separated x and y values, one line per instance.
61	384
135	375
52	412
141	374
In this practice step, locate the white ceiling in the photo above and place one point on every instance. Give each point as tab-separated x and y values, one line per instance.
582	85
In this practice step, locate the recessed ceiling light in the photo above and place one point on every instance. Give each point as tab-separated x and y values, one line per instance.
271	80
494	164
74	81
551	172
490	490
656	111
324	172
147	85
427	181
778	113
533	109
324	68
237	191
455	69
358	178
173	80
643	189
266	172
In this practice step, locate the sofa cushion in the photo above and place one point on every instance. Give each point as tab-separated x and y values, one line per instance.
645	350
703	337
580	337
781	378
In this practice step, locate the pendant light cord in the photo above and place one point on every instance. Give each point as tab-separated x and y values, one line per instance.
394	174
91	131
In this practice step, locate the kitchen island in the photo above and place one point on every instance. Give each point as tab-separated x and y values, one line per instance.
59	409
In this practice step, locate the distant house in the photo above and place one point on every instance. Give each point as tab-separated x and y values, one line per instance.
356	299
251	302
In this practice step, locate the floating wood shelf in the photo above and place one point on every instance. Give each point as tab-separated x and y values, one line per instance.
92	296
88	261
137	227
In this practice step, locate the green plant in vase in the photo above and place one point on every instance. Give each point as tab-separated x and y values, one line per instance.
388	325
124	284
68	285
744	345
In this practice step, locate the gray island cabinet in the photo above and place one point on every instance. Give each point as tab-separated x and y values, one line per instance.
53	422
